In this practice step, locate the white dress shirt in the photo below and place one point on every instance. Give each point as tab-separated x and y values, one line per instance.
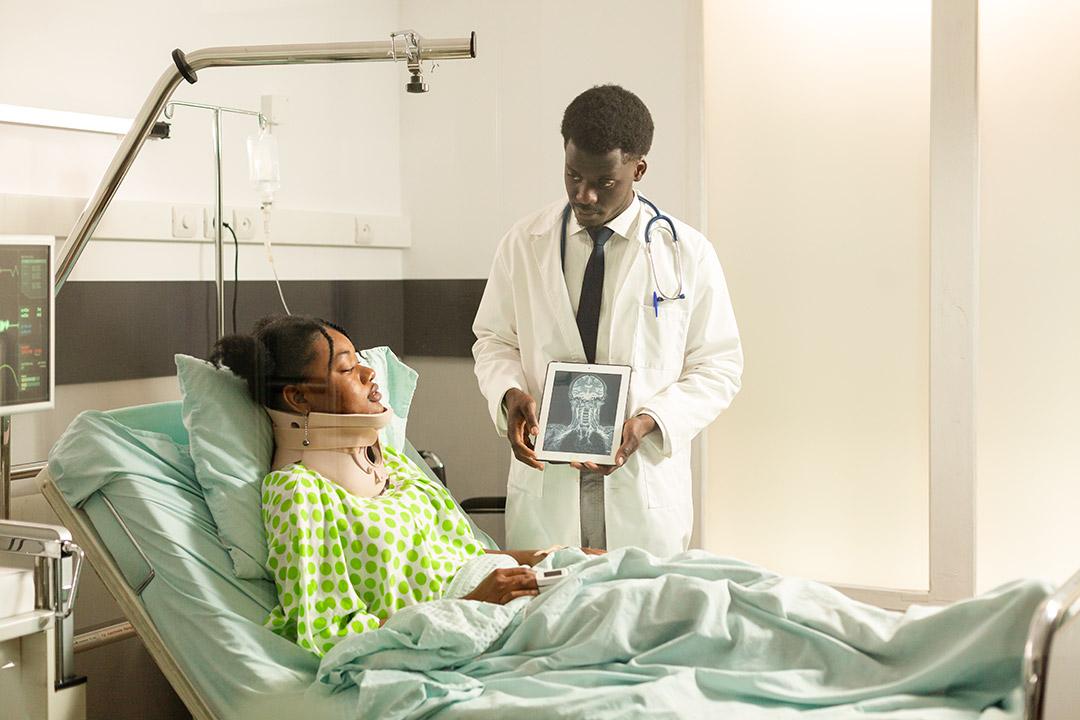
579	247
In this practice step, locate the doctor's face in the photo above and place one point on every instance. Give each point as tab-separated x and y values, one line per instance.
599	187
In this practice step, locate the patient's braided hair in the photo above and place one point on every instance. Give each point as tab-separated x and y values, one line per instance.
275	354
606	118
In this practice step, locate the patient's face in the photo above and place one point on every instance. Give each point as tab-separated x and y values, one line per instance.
350	387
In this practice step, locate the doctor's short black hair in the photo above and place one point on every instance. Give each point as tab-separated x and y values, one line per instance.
606	118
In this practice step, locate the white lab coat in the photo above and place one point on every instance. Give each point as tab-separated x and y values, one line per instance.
687	365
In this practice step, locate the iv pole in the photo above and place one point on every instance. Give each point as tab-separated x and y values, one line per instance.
219	210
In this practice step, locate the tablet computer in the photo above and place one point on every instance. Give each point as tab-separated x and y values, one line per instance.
582	412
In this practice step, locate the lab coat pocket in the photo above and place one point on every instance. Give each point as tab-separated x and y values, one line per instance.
658	491
661	336
525	479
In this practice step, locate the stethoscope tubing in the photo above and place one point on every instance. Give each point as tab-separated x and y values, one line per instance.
659	295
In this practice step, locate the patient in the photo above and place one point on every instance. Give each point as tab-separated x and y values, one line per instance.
355	530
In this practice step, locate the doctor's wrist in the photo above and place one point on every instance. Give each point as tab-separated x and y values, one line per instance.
511	394
648	423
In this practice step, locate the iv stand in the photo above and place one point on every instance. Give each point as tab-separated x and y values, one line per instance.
219	210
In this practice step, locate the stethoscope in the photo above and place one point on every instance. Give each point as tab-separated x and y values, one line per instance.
658	295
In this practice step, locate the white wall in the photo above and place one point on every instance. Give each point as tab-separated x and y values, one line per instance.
339	149
817	123
487	149
1028	382
339	140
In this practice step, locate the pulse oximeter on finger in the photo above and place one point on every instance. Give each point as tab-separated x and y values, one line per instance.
546	578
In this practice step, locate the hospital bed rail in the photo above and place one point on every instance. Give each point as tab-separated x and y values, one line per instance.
480	505
1047	650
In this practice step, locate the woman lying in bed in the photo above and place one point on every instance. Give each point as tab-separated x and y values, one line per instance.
355	530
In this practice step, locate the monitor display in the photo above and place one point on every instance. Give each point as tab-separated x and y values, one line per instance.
26	324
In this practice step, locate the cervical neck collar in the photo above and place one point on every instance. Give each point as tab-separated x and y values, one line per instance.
343	448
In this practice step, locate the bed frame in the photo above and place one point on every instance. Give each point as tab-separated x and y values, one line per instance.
1051	654
82	529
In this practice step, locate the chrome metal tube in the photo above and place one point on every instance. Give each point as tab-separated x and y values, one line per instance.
219	230
118	168
26	471
432	50
49	595
1049	618
151	573
314	53
5	467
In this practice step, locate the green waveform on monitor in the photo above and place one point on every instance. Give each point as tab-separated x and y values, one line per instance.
12	371
5	324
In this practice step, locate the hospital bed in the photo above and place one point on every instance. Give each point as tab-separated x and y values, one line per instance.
154	545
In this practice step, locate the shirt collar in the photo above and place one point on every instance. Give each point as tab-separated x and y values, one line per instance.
621	224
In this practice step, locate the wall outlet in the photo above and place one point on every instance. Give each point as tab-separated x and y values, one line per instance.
185	221
364	234
243	223
210	224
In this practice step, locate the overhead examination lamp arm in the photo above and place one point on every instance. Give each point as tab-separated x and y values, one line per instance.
408	47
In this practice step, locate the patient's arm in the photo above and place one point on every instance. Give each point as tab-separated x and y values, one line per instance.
522	557
531	557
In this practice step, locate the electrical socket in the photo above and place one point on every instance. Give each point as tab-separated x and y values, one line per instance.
210	223
185	221
363	234
243	223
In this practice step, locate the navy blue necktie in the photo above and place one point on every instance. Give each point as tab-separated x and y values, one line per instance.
592	292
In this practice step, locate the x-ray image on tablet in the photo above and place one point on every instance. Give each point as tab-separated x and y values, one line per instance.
583	411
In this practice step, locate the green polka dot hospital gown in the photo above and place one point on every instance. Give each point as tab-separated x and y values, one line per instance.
342	563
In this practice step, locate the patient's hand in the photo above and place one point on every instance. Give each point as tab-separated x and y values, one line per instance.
504	585
593	551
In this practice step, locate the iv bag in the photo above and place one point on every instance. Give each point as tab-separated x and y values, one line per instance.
263	169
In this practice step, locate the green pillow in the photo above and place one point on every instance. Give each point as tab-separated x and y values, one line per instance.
232	444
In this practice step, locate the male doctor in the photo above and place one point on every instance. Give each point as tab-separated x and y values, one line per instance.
596	305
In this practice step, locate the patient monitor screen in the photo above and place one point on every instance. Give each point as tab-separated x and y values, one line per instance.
25	325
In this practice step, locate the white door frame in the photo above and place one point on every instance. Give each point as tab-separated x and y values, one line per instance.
954	263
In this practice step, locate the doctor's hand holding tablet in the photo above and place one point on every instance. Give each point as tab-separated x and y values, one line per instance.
605	342
573	428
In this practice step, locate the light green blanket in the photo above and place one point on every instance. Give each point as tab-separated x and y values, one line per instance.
696	636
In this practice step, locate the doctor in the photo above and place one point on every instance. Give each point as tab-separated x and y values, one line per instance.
597	305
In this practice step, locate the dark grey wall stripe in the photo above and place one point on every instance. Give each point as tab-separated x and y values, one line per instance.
126	330
440	316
